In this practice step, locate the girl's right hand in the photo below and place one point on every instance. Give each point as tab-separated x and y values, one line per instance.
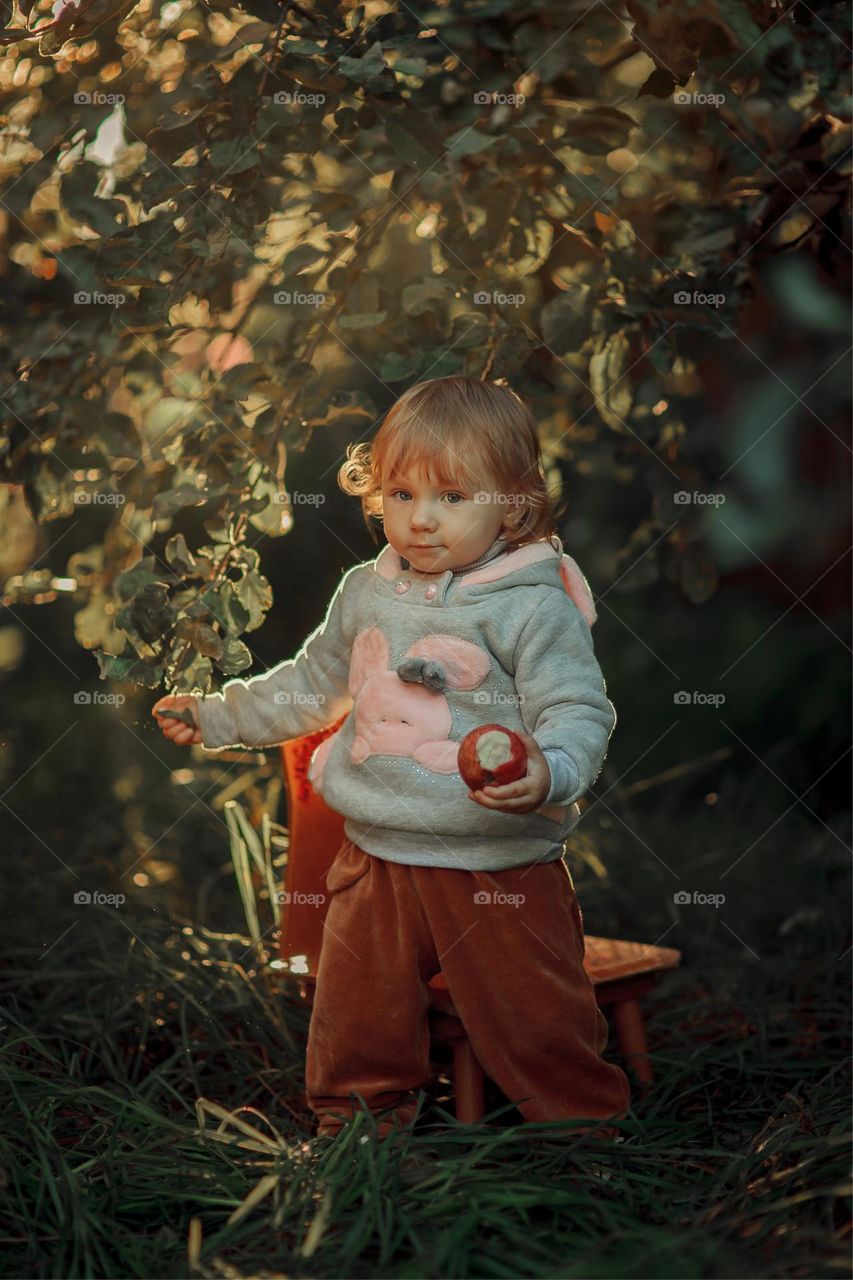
177	730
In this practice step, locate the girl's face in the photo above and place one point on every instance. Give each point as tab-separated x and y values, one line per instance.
436	526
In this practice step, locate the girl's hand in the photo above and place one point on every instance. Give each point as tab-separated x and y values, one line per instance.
178	730
525	794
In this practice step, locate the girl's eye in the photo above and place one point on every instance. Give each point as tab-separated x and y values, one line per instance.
398	493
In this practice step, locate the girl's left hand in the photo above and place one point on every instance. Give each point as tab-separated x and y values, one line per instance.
525	794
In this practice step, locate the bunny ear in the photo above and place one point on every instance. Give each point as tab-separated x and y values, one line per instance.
577	588
369	655
466	664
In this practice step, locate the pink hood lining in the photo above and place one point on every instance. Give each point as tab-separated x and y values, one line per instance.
388	564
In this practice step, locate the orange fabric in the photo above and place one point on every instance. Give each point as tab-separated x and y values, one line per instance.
513	965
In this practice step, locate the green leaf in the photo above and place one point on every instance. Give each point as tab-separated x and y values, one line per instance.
117	436
362	322
395	366
564	320
179	556
151	614
469	142
255	594
610	383
78	197
126	666
49	488
235	657
169	501
368	70
227	608
139	575
233	156
196	676
304	255
424	294
413	139
598	130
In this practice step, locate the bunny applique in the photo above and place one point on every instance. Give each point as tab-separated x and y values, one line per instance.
402	711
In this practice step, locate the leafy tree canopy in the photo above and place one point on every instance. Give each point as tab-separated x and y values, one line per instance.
217	218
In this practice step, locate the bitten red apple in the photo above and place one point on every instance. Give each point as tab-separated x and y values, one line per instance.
491	756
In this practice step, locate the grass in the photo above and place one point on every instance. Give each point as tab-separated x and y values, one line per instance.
151	1076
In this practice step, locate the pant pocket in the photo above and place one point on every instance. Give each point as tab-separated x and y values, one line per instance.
348	867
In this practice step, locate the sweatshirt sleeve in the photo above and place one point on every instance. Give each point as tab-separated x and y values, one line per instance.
299	696
564	701
564	776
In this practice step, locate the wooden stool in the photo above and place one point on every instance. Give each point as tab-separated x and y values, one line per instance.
621	971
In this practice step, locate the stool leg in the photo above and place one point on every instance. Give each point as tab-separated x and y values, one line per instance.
631	1034
468	1083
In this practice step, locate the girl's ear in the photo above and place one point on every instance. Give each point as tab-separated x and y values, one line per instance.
512	518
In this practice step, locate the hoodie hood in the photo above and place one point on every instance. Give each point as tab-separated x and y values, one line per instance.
540	563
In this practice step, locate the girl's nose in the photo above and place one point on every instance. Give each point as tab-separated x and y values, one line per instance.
422	518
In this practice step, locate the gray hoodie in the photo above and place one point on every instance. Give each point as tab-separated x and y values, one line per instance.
415	662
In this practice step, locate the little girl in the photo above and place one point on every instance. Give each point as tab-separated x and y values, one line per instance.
471	615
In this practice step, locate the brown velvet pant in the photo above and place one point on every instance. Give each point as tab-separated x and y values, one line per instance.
510	945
